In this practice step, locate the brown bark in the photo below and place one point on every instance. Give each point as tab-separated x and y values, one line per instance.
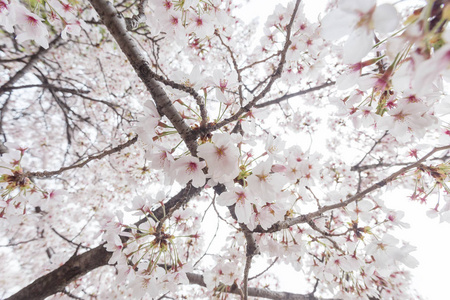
56	280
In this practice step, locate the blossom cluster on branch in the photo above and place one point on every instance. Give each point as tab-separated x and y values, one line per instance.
169	142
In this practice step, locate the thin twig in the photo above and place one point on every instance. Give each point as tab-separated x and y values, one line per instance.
265	270
90	158
299	93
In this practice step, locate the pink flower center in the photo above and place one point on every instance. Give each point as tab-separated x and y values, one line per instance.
413	99
32	20
192	167
262	177
67	7
3	6
400	116
174	20
220	152
223	84
199	22
241	196
167	5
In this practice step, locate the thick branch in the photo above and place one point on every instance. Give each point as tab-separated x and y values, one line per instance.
56	280
78	265
49	86
117	27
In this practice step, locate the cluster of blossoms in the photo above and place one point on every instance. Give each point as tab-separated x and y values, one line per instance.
187	22
18	192
265	190
397	89
255	177
16	17
430	180
153	255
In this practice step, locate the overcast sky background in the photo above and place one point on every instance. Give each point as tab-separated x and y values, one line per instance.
430	237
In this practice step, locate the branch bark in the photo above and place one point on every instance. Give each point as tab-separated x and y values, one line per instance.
79	265
117	27
56	280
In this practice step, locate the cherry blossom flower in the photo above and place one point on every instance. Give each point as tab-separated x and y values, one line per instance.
350	77
273	146
202	25
7	16
407	118
115	245
444	212
358	18
223	84
394	218
365	116
264	183
428	70
193	80
273	212
385	252
73	28
63	9
146	125
224	273
32	26
190	168
267	214
242	198
221	157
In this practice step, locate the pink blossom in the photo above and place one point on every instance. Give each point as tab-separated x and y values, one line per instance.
358	18
428	70
190	168
115	245
32	26
73	28
264	183
147	124
202	25
7	16
221	157
407	118
242	198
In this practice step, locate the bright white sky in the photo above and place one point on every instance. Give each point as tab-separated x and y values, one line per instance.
430	237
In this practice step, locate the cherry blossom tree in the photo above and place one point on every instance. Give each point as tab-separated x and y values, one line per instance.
163	149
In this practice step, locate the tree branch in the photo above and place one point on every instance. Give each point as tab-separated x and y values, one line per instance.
46	174
308	217
33	59
56	280
78	265
255	292
117	27
275	75
299	93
